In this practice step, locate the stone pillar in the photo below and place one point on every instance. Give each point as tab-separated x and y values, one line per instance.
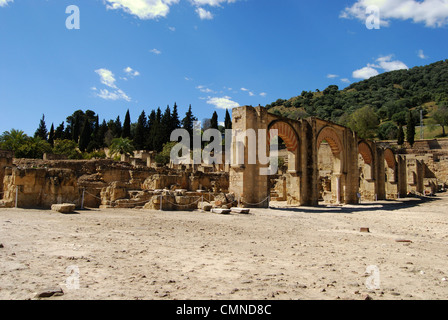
5	161
338	188
309	190
402	176
380	174
246	180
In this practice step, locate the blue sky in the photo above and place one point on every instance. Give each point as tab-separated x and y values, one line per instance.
212	54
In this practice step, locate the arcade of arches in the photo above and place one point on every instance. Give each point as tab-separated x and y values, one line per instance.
325	161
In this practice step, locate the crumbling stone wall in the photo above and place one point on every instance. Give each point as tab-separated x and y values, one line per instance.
94	183
5	161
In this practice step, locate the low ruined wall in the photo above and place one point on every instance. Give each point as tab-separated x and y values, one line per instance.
93	183
40	187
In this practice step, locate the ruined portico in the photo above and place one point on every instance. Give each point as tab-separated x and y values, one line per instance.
360	169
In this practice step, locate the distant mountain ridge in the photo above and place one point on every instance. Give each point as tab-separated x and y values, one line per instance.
388	94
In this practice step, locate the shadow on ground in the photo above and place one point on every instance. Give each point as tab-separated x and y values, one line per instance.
385	205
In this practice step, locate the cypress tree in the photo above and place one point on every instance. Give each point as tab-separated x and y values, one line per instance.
400	136
228	120
410	129
99	138
59	133
141	129
166	125
76	128
51	136
86	135
126	133
158	131
41	131
117	128
152	119
188	121
175	122
214	121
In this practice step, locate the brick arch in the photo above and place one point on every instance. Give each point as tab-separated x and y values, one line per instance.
287	133
389	157
366	152
329	134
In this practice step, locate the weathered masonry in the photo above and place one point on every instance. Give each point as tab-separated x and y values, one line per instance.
359	169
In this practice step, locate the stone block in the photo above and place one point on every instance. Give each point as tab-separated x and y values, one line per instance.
64	207
221	211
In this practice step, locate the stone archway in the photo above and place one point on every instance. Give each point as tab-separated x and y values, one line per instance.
292	183
291	140
390	172
336	176
367	185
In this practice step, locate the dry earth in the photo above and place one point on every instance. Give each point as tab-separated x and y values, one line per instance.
292	253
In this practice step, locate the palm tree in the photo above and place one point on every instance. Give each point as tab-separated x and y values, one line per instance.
12	140
121	146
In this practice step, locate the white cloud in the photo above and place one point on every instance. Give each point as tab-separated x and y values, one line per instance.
172	28
332	76
433	13
108	79
204	89
212	3
223	102
244	89
154	9
204	14
421	54
4	3
385	63
112	95
345	80
155	51
143	9
365	73
131	72
263	94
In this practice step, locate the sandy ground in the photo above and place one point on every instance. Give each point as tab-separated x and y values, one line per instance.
292	253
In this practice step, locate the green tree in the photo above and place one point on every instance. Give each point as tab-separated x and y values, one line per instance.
33	148
188	121
387	131
12	140
214	121
86	136
410	128
228	120
59	132
51	136
164	156
175	122
68	148
141	132
364	121
440	116
400	136
42	129
126	133
152	119
157	131
166	127
118	128
122	146
76	128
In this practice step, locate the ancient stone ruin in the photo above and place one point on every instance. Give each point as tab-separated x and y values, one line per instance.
323	162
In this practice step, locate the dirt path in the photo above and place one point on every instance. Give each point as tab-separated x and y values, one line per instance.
293	253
